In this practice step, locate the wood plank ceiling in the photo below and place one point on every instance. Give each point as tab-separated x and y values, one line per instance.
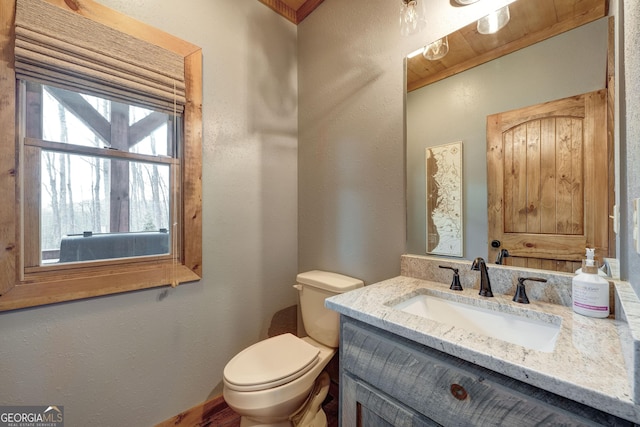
294	10
531	21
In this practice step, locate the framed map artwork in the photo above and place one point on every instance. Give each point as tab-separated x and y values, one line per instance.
444	199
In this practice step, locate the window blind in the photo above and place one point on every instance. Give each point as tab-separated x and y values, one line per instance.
61	48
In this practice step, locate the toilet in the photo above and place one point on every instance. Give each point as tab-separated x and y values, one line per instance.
280	381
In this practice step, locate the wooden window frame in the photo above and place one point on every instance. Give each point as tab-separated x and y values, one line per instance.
20	290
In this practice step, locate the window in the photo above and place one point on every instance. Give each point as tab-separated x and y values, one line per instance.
102	192
105	187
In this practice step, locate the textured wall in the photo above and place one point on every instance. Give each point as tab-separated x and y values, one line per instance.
351	173
140	358
630	260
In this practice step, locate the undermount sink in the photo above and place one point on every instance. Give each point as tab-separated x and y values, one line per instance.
539	333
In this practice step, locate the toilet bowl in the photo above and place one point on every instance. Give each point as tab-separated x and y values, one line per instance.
273	398
272	382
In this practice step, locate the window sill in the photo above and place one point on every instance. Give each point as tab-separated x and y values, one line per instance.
104	281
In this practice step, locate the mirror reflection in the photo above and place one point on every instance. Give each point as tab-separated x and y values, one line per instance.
449	100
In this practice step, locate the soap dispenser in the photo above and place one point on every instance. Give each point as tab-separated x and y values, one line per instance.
590	292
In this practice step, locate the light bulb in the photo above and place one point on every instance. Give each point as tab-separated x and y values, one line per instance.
411	17
436	50
494	21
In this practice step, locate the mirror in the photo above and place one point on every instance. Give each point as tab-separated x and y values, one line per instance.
449	100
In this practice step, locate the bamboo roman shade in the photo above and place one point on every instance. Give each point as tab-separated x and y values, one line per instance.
57	47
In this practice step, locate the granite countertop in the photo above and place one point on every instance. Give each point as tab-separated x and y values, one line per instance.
591	362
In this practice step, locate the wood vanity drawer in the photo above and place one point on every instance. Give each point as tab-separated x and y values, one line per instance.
451	391
370	408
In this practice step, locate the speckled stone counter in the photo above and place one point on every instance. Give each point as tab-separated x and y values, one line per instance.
594	360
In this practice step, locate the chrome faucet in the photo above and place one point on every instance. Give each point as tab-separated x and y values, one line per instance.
485	284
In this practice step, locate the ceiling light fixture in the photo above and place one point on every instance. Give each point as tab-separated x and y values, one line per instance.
436	50
495	21
415	53
412	18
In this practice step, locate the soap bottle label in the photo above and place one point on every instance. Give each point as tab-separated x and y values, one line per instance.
590	295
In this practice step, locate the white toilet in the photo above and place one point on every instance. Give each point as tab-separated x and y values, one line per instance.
270	381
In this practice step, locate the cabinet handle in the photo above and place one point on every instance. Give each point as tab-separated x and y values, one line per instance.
458	392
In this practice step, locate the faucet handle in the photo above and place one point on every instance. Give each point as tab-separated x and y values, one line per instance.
455	283
521	293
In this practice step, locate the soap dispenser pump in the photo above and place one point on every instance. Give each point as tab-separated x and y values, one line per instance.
590	292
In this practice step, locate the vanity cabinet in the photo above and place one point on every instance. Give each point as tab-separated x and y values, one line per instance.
387	380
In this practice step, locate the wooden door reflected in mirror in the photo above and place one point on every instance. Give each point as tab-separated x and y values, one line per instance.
547	176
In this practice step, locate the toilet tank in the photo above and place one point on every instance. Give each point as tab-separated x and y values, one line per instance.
322	324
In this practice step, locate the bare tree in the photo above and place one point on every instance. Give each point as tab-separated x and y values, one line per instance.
52	190
155	186
71	226
66	208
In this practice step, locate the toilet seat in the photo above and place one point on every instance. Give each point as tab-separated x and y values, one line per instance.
270	363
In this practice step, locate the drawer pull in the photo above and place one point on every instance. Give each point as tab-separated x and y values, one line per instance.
458	392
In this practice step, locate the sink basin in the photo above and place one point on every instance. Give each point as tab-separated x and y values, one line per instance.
537	331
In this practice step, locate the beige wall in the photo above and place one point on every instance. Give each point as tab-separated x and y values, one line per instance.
140	358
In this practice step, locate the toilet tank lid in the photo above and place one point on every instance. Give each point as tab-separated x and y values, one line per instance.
329	281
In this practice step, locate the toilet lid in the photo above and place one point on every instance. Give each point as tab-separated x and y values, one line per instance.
270	363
